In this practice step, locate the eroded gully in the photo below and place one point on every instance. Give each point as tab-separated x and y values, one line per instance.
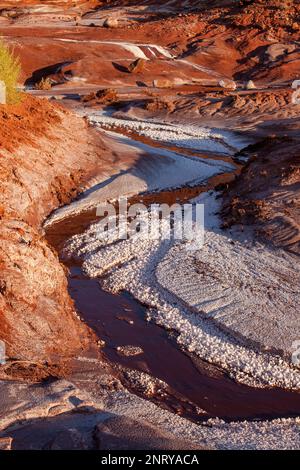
120	320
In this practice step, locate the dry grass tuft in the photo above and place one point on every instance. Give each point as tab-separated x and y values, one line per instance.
44	84
10	70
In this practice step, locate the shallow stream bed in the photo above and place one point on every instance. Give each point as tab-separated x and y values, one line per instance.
195	389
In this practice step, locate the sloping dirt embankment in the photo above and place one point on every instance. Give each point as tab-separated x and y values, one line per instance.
46	155
266	194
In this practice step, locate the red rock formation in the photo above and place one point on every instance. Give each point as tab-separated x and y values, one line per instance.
42	166
233	39
267	193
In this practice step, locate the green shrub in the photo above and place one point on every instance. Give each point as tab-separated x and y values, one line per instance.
10	70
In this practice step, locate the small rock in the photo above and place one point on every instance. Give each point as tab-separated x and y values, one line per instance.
105	96
137	66
111	23
129	350
228	84
250	85
124	318
162	83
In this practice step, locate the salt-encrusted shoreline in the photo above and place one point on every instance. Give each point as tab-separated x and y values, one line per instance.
135	265
154	169
186	136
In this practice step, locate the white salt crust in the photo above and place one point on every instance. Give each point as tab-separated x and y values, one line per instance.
185	136
154	170
148	269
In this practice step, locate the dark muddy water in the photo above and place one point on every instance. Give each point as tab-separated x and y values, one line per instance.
120	320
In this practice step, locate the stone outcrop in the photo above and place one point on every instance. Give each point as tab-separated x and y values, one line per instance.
228	84
111	23
42	166
266	195
137	66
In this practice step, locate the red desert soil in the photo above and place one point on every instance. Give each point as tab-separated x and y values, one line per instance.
22	123
239	40
41	167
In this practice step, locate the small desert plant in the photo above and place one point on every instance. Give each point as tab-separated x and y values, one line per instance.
44	84
10	70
